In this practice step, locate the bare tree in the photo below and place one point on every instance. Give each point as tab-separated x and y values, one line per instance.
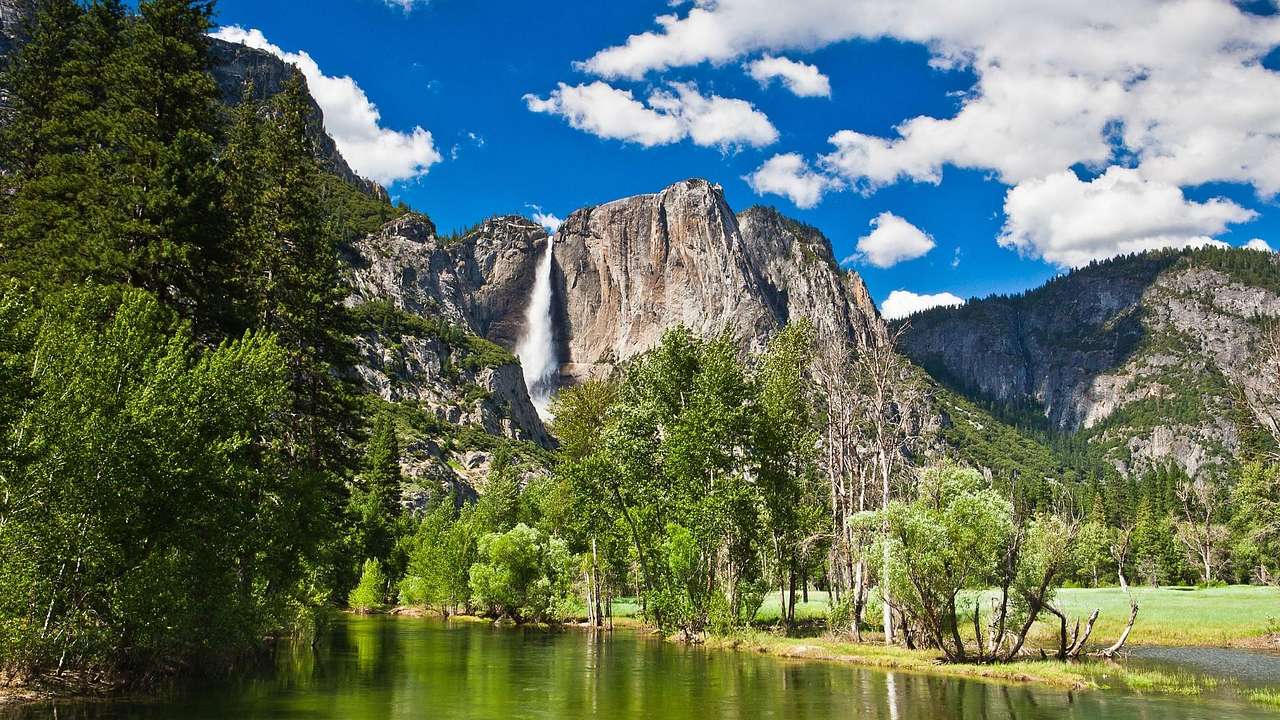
889	399
873	399
1197	530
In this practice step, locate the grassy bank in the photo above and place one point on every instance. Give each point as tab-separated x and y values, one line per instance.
1079	675
1211	617
1239	615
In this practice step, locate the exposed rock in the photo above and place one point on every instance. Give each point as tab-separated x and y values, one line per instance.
479	283
627	270
1165	332
233	64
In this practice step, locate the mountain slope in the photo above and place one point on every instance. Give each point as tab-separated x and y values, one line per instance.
1141	353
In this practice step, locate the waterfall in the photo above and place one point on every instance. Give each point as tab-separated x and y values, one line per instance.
537	351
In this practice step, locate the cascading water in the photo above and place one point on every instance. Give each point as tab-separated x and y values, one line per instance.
537	351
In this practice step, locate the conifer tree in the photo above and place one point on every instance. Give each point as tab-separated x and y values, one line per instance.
375	502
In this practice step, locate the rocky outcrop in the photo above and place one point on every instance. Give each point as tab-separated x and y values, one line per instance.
480	279
626	271
15	15
1142	354
234	64
475	285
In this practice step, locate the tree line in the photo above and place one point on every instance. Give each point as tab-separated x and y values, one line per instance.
180	436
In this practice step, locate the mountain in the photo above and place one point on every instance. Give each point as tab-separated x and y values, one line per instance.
232	65
1141	355
626	270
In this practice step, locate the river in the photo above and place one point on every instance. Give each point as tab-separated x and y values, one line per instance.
384	668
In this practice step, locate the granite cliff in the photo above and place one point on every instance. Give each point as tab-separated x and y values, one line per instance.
1144	354
627	270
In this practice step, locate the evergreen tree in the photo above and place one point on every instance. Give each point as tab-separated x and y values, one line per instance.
375	503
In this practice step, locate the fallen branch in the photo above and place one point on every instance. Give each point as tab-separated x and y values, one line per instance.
1111	652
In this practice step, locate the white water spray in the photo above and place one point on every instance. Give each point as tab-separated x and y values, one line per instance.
537	351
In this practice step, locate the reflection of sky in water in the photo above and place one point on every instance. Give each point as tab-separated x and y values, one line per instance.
1252	668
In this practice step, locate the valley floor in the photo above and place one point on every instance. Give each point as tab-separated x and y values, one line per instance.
1232	616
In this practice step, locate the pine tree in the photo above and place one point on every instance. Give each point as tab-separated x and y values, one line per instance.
375	503
117	181
39	127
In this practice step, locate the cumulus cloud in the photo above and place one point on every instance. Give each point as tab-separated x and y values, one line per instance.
1070	222
902	303
800	78
1178	86
791	176
546	219
1259	244
380	154
892	240
673	113
406	5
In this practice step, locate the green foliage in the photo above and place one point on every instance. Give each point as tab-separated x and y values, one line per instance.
370	592
144	518
522	574
442	551
375	500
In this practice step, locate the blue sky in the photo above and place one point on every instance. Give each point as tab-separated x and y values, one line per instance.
1149	151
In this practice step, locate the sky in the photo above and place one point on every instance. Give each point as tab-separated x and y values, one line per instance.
948	149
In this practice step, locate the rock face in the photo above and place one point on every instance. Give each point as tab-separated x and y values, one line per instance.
233	64
474	284
1142	354
14	16
627	270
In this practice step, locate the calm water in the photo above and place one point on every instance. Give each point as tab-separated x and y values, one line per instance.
388	668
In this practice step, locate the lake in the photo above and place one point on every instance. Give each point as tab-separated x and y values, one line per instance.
387	667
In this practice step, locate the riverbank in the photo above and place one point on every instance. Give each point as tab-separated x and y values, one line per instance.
1084	674
1241	616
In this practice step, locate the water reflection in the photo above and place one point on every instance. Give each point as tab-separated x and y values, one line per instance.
403	668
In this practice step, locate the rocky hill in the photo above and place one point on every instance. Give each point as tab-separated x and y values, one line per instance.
1143	354
626	270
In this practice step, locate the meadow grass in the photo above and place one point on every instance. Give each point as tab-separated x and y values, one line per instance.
1178	616
1172	616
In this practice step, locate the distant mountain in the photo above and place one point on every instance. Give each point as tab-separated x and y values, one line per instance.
1142	354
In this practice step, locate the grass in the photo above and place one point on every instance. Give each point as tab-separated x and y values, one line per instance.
1083	674
1266	697
1211	617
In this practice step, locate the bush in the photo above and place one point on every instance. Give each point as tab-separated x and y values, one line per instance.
523	575
370	593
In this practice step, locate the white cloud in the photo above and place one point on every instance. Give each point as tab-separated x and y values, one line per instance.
1259	244
791	176
1177	85
406	5
546	220
891	241
902	303
671	114
1070	222
383	155
800	78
